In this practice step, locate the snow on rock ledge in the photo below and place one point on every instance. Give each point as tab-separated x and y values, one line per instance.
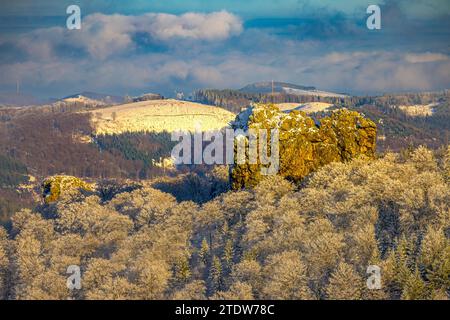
305	144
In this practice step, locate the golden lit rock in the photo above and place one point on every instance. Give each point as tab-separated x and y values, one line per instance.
305	144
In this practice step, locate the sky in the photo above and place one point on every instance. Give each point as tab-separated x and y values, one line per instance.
138	46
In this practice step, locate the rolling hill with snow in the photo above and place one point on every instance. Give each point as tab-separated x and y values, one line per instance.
93	98
265	87
159	115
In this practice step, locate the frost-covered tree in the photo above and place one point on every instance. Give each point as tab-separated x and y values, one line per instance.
345	284
4	262
285	277
312	240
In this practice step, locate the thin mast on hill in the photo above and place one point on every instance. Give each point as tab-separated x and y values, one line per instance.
272	92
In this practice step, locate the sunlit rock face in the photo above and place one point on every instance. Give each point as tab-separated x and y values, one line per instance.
54	187
305	144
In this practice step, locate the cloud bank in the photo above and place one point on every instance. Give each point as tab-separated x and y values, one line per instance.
103	35
162	52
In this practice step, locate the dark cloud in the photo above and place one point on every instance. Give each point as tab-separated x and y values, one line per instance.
162	52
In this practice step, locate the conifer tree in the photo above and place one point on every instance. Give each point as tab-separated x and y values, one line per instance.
435	259
215	274
182	271
204	251
414	287
345	284
228	252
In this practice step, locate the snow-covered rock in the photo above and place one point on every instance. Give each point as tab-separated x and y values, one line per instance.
305	144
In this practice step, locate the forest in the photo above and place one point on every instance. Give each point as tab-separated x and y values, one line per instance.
400	130
234	100
279	240
57	139
148	233
49	140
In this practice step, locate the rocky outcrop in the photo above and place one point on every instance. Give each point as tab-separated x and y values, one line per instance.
54	187
305	144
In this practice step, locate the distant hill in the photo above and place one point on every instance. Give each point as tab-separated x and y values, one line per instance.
265	87
19	99
87	96
261	92
158	116
310	107
147	97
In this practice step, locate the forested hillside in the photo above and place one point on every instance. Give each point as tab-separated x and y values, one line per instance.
397	129
276	241
234	100
145	232
59	139
38	142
